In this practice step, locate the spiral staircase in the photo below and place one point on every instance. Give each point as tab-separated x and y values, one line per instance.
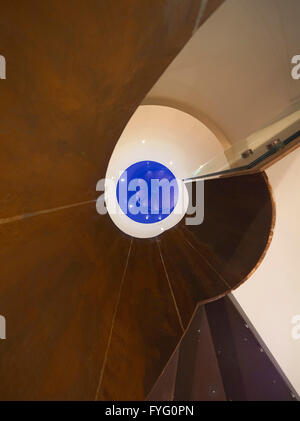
93	314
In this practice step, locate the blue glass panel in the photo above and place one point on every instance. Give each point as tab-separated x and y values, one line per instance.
147	192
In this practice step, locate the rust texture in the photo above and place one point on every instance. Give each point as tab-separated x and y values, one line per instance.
91	313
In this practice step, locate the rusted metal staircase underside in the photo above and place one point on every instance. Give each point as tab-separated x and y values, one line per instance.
92	313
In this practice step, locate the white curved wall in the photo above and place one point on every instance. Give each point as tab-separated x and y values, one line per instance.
167	135
236	70
170	137
271	296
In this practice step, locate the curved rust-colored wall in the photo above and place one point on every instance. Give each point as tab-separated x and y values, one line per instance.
92	313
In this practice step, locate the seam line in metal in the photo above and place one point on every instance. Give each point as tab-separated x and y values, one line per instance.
170	287
208	263
41	212
200	15
112	324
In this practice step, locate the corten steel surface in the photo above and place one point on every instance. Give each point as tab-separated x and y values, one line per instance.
92	313
76	71
209	259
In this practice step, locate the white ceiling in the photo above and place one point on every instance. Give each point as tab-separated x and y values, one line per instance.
235	73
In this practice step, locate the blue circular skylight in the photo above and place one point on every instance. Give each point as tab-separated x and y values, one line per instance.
147	192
